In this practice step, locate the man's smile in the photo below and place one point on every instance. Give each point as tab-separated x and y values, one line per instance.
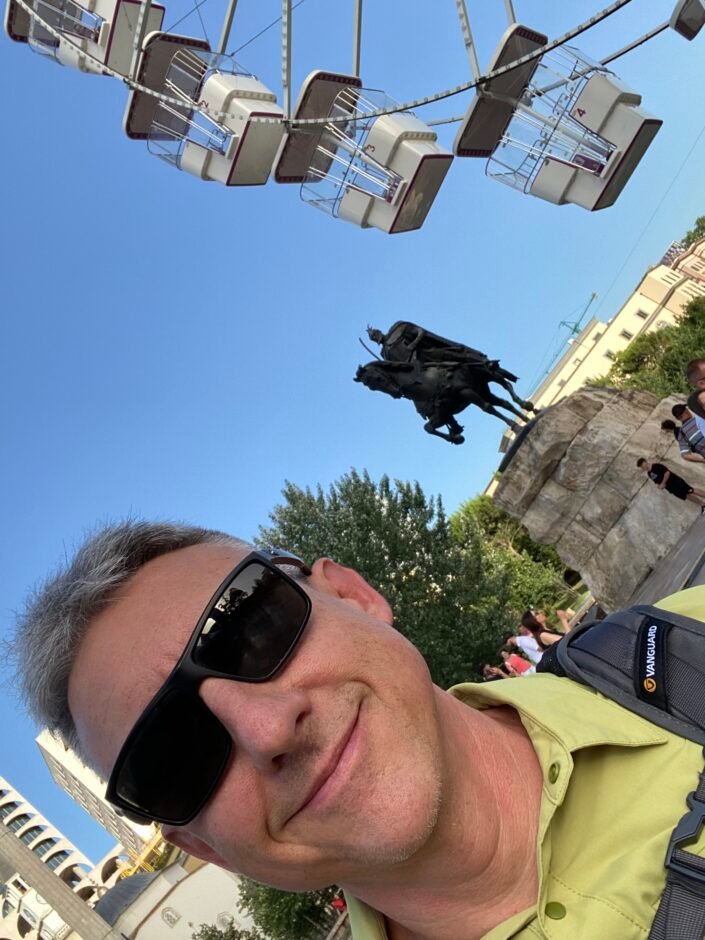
333	775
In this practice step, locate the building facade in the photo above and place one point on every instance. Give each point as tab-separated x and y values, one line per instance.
85	787
24	914
659	297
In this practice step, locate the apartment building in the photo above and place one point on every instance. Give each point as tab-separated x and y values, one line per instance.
85	787
24	914
656	301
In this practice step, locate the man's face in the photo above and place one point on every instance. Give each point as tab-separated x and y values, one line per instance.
337	763
699	381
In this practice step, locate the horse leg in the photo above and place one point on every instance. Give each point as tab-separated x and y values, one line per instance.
488	409
455	430
508	387
503	403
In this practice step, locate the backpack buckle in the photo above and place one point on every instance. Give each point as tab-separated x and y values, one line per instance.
684	834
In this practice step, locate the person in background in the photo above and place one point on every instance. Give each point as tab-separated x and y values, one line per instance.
516	663
667	480
563	617
491	673
536	623
526	643
691	442
695	374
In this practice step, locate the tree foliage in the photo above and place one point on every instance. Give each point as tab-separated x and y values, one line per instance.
532	575
506	532
695	233
446	600
655	362
282	915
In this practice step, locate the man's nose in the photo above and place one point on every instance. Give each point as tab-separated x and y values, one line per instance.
266	723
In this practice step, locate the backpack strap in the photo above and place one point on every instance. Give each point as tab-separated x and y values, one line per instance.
652	662
681	910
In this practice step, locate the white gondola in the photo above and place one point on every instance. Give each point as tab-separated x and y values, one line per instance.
379	172
688	17
572	134
221	125
105	29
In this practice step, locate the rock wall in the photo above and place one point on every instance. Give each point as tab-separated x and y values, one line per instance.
573	482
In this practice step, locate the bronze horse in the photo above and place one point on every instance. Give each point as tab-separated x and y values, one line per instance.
441	390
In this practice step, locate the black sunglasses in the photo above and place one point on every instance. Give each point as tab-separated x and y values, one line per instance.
176	753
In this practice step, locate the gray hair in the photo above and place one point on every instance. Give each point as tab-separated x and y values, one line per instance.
59	610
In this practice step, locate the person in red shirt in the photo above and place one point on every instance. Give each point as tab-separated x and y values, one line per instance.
516	663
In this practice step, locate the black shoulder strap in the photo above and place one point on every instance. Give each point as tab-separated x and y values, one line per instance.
652	662
649	660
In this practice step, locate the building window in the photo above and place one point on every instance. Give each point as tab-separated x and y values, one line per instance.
576	362
626	334
561	383
8	808
43	847
597	336
18	822
31	834
609	354
642	314
55	860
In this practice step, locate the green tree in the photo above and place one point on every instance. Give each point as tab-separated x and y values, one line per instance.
445	599
499	527
696	232
655	362
531	575
281	915
210	932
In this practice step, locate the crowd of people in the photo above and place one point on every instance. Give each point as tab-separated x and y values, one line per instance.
690	436
522	652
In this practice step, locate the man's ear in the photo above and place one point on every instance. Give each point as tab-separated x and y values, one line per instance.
190	843
345	583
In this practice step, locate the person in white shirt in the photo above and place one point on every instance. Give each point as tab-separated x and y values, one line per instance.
527	644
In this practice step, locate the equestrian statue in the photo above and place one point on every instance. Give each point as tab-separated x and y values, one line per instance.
441	377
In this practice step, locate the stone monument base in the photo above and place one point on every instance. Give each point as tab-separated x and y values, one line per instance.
573	482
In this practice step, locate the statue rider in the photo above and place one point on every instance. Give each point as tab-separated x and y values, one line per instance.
406	342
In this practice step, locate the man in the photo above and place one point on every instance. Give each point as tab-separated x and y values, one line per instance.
301	741
667	480
695	374
690	440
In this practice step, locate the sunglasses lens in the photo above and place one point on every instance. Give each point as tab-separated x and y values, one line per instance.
174	762
253	626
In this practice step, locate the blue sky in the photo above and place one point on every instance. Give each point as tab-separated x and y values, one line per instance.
174	349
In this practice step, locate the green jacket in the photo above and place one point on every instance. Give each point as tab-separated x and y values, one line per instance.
614	788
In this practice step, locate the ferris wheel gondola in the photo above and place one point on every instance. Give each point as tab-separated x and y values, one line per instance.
194	84
547	120
86	36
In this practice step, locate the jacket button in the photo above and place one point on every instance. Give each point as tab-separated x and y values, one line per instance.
555	911
554	772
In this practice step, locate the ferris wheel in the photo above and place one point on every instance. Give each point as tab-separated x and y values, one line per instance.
545	119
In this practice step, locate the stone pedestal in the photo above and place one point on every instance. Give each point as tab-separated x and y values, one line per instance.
574	483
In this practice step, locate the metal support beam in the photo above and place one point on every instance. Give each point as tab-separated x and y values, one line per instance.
357	38
140	31
286	56
511	15
467	37
227	26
